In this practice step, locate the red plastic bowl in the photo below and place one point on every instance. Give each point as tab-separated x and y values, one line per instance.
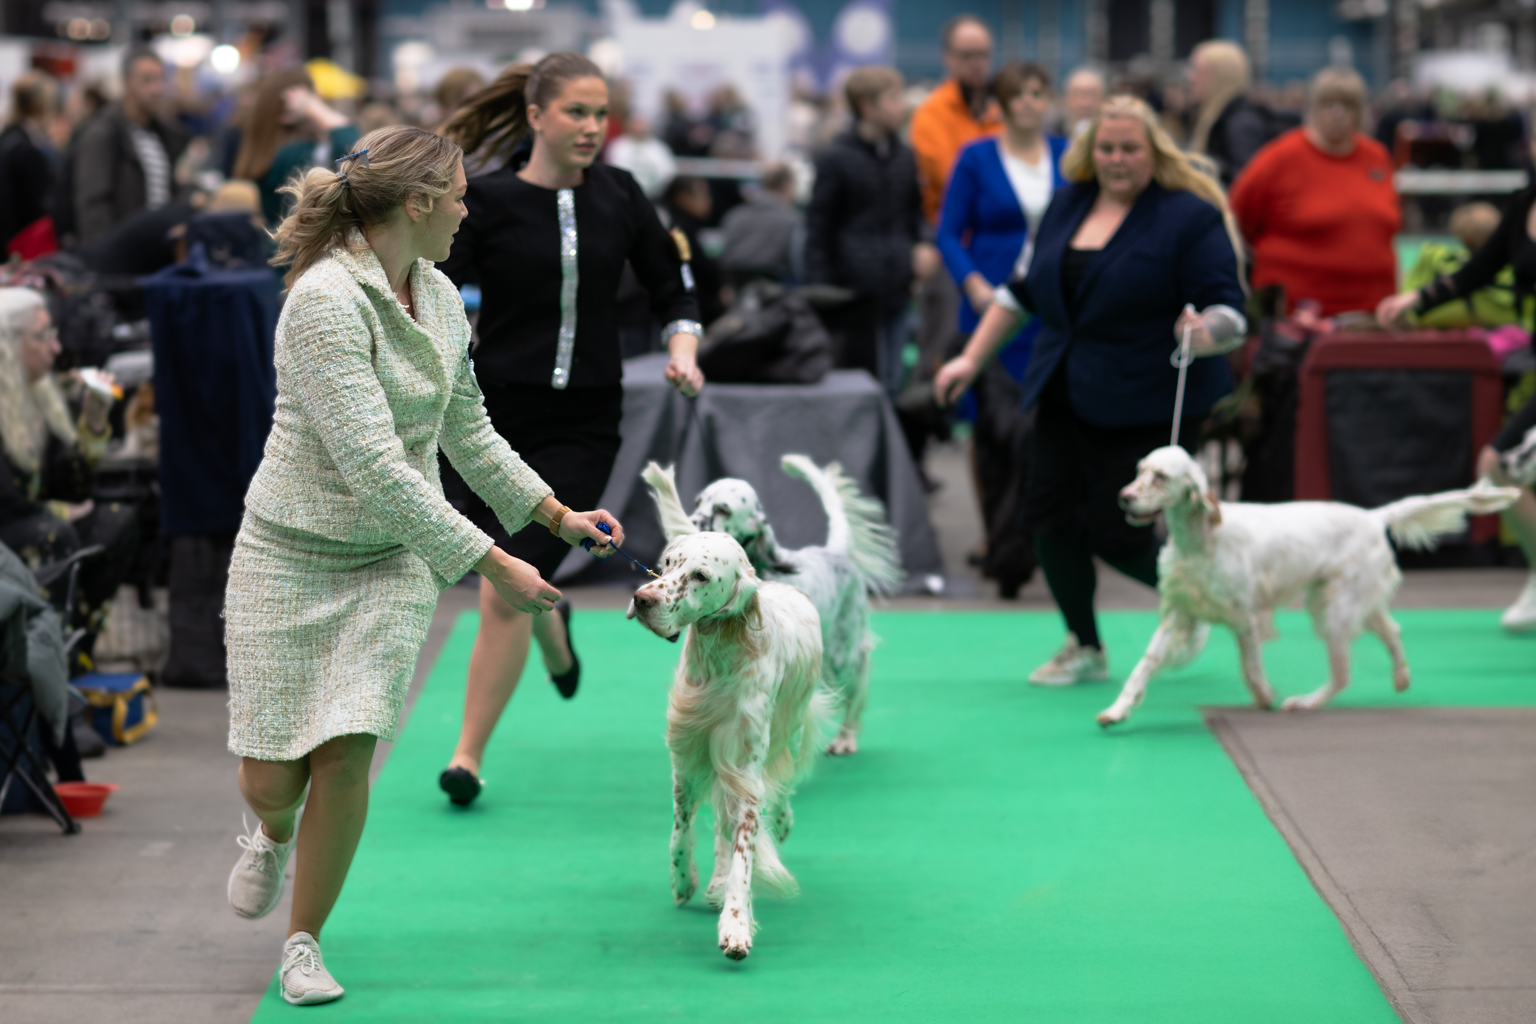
84	799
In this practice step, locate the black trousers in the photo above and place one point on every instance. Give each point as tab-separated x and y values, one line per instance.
1072	503
570	438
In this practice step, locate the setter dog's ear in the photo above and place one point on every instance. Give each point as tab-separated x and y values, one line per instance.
1212	506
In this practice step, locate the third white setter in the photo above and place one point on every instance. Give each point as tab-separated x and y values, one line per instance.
1232	564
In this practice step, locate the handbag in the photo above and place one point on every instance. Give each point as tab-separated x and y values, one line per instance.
121	706
770	336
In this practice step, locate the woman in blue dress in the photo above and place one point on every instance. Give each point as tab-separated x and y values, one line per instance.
997	193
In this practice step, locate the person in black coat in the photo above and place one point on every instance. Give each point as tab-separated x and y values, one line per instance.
547	239
1229	127
1134	254
26	156
863	228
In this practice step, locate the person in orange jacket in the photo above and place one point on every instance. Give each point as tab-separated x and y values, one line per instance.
957	111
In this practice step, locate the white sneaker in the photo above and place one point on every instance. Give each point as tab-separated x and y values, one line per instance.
1074	663
304	980
1188	651
1520	617
256	884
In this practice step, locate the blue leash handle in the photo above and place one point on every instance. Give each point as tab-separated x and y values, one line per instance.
587	545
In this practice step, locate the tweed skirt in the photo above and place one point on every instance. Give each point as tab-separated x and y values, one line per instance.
322	637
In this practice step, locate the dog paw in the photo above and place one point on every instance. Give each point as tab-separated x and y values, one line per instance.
1400	680
1303	703
735	934
845	743
683	887
1111	716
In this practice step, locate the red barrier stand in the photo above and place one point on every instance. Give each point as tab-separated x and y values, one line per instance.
1415	350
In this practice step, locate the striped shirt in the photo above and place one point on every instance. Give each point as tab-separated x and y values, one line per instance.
157	167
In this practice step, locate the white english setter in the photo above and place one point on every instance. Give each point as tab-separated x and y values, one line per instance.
744	717
1233	564
860	556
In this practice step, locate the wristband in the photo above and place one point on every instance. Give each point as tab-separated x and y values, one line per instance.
556	519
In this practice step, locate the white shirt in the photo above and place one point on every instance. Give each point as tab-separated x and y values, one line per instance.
1032	185
157	167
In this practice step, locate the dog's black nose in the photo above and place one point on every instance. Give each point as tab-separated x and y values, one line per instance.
1125	501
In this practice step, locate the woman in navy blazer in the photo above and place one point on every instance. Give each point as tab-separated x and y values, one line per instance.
1137	250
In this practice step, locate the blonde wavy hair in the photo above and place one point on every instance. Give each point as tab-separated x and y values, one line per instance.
1231	76
1172	167
331	207
29	410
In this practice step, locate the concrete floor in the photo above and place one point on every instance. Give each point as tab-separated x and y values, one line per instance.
128	922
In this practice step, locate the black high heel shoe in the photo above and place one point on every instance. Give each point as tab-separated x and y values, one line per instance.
567	681
461	785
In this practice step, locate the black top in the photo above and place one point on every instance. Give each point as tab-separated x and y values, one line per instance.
1502	249
66	476
510	246
26	182
865	215
1074	264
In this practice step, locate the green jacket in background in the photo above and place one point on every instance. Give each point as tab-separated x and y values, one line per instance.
297	157
1491	306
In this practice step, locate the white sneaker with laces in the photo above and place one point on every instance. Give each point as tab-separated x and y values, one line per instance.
1520	617
256	883
304	979
1074	663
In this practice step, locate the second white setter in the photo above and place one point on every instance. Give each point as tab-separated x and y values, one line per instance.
859	556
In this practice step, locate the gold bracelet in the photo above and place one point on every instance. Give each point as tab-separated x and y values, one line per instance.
556	519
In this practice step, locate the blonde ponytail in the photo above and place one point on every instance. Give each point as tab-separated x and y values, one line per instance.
388	167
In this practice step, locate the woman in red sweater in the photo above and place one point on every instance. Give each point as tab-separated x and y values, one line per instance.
1318	206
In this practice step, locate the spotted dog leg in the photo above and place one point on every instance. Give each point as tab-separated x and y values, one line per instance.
736	913
685	877
780	820
715	894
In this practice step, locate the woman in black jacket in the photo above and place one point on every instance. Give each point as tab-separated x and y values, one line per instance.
26	156
1512	244
547	239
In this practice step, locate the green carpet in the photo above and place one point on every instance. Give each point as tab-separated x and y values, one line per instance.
991	855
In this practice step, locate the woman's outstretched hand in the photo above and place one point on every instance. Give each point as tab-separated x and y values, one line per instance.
1392	309
953	378
518	583
578	526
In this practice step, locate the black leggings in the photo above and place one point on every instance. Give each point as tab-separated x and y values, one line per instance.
1076	472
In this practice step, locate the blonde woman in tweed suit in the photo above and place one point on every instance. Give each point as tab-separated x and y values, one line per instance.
347	538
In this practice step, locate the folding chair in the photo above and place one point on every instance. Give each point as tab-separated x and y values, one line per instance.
18	711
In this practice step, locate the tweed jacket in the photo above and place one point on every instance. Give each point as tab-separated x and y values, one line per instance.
365	395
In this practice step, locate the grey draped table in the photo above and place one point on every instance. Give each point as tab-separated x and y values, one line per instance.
741	430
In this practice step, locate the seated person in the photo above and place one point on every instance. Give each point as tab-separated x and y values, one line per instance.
47	466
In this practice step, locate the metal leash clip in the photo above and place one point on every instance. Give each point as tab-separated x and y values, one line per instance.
587	544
